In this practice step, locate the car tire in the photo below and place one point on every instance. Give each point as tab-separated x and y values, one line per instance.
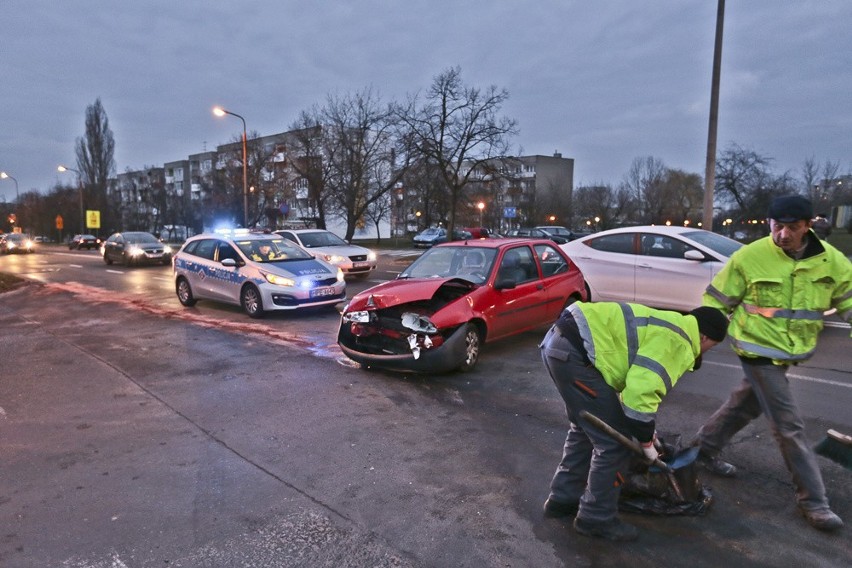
472	348
251	301
107	259
184	293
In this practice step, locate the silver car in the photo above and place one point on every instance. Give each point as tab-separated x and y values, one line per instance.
352	259
260	272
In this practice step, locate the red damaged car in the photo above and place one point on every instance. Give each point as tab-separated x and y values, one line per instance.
435	316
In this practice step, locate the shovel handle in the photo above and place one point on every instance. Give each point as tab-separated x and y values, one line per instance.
622	439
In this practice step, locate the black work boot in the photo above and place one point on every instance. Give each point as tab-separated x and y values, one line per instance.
717	466
557	509
822	519
615	529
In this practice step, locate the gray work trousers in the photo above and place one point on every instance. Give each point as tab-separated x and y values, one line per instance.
766	389
591	461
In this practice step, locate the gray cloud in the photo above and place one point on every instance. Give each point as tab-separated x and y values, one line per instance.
602	82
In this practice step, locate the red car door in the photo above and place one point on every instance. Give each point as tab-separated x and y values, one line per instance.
523	306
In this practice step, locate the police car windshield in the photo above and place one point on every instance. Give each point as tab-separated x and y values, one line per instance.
271	250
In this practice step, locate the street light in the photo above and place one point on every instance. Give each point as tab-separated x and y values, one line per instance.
80	185
481	207
219	111
4	175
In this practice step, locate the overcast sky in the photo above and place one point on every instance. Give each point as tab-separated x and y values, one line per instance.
602	82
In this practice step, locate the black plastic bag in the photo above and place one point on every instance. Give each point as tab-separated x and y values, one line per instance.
648	490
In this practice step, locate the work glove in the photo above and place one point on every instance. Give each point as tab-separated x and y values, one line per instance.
650	451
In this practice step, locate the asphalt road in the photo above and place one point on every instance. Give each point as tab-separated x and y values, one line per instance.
134	432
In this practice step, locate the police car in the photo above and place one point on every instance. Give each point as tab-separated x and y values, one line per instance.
260	272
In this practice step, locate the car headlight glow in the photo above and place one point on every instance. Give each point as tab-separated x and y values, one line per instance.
167	249
339	275
371	256
333	258
136	251
279	280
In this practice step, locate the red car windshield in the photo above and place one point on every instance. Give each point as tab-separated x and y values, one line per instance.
471	263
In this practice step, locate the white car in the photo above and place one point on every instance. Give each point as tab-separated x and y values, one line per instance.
351	259
260	272
659	266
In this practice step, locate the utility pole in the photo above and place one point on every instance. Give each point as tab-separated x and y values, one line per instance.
710	170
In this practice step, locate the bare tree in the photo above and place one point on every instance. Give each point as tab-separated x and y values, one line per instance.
95	162
457	129
746	184
644	182
822	184
683	196
365	153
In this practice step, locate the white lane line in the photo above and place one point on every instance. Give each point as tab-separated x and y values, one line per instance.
792	376
115	271
76	265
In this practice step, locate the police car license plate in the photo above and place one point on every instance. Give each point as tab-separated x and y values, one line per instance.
320	292
360	264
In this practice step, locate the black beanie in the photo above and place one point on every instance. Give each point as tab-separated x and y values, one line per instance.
711	322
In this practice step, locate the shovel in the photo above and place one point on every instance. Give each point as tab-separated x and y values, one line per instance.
636	448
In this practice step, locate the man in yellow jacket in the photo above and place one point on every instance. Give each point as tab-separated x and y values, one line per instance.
776	290
616	361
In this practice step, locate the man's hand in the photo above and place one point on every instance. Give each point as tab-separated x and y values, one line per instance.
650	451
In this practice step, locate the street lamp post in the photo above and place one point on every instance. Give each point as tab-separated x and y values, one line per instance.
219	111
80	187
4	175
481	207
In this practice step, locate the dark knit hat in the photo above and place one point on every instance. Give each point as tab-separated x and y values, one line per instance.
711	322
790	208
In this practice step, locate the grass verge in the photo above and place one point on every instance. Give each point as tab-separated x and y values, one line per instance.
9	282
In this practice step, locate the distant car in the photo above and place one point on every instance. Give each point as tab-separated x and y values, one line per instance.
663	267
478	232
437	235
435	316
16	243
136	247
351	259
559	231
260	272
81	242
538	233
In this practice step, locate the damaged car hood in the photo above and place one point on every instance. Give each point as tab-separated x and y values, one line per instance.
403	291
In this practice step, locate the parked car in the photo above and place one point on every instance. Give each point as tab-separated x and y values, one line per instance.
260	272
135	247
351	259
663	267
81	242
478	232
435	316
538	233
437	235
16	243
560	232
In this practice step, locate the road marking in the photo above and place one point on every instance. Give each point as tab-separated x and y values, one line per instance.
792	376
76	265
115	271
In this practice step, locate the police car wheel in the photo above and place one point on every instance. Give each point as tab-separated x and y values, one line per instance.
184	293
251	301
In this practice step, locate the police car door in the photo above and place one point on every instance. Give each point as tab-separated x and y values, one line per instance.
226	281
